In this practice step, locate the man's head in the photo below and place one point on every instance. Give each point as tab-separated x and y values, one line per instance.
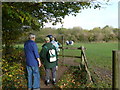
32	36
47	39
50	36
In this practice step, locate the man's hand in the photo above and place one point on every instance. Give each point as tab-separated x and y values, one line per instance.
39	62
56	67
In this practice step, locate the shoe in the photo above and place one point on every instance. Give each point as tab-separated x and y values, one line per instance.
54	83
29	88
47	83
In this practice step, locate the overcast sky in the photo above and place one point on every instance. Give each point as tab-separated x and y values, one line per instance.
90	18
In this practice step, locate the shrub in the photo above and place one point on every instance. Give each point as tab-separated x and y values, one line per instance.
14	71
14	75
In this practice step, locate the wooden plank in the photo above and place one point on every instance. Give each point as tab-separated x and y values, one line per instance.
72	48
85	63
85	59
70	56
62	49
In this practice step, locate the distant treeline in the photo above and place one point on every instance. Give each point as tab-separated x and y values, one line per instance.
77	34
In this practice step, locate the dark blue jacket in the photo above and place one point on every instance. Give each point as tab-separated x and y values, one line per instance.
31	53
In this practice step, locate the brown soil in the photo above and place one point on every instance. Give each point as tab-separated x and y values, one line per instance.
103	74
61	69
60	72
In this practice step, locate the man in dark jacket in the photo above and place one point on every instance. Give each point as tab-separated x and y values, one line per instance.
32	63
45	57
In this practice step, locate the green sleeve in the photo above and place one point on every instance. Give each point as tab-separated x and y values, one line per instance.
43	54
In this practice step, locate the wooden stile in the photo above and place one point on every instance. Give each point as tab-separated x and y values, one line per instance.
83	58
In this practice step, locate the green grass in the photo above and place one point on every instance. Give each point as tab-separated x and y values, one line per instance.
98	54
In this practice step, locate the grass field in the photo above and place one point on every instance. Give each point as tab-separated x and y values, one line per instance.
98	54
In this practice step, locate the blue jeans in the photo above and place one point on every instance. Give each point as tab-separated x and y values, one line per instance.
33	77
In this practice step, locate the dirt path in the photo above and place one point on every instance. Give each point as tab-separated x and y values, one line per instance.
62	68
70	62
103	74
60	72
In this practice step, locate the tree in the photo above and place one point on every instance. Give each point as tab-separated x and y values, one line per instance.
77	28
108	33
35	15
97	34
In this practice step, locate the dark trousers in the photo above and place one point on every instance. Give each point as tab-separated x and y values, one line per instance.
48	73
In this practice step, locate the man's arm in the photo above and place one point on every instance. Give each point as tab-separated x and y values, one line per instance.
35	49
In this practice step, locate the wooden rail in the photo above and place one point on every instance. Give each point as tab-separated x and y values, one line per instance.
73	48
71	56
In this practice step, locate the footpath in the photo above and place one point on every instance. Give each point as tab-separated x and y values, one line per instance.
61	69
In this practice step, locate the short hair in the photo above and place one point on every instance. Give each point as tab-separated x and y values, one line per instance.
31	36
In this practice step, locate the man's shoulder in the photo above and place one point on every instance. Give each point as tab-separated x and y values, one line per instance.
28	42
48	45
44	45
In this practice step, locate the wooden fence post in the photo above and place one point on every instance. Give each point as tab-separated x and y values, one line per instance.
116	69
0	45
63	49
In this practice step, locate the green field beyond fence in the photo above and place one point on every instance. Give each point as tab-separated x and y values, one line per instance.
98	54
